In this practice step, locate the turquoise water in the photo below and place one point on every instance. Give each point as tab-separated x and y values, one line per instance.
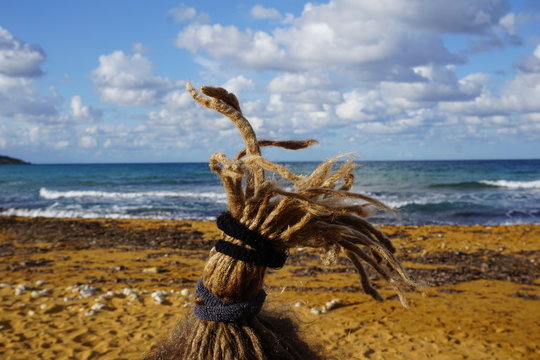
422	192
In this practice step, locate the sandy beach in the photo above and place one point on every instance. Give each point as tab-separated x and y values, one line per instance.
109	289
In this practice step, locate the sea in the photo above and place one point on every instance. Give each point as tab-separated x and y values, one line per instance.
487	192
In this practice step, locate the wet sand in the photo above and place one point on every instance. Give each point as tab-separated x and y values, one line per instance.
109	289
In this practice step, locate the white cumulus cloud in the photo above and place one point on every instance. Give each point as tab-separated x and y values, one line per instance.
127	80
371	39
140	48
342	70
519	95
17	58
20	65
81	112
261	12
238	84
182	13
87	142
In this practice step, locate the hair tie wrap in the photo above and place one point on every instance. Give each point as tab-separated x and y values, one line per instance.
215	309
262	253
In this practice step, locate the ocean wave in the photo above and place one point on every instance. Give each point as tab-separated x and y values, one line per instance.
399	201
444	206
54	194
398	204
59	213
437	205
463	185
534	184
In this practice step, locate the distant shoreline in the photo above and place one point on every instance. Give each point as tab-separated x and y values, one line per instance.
6	160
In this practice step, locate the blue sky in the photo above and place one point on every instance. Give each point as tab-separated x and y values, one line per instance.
103	81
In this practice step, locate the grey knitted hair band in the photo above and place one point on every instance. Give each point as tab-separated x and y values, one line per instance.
215	309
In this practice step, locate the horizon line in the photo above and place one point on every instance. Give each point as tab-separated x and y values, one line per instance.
279	161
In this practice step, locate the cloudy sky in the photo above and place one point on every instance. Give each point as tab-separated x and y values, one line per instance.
103	81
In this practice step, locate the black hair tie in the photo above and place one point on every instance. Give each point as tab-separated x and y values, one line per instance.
262	253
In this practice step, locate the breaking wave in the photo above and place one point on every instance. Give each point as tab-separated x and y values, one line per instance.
534	184
53	194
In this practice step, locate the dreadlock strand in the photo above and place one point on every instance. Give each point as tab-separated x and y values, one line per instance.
287	144
366	227
346	169
223	95
286	235
262	206
246	131
348	195
273	167
364	279
317	177
282	204
254	340
287	219
362	255
222	166
348	181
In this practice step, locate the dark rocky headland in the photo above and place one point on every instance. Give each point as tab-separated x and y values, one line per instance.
6	160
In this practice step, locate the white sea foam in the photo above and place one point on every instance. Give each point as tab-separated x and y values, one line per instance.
396	204
58	213
535	184
54	194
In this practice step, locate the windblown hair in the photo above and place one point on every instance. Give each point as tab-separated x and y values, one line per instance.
319	211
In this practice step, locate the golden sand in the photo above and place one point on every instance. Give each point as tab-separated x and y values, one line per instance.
484	304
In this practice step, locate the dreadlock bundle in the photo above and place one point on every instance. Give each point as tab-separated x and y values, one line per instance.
263	222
